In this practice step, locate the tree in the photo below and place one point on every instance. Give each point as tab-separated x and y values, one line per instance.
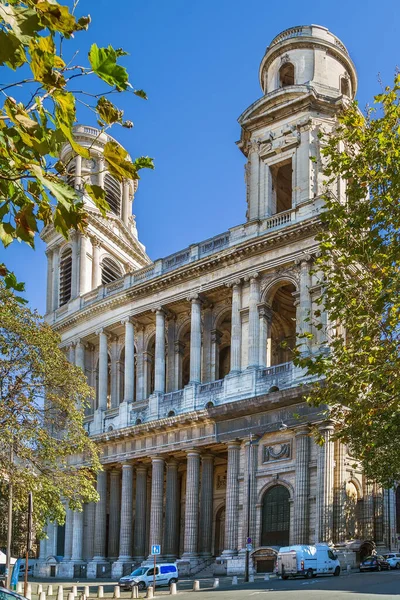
33	35
359	265
42	397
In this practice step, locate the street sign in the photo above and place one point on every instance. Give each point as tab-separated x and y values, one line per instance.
155	549
248	540
249	547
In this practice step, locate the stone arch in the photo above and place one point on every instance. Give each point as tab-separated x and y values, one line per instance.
275	516
286	74
353	509
222	333
149	363
273	483
111	270
278	296
182	365
219	529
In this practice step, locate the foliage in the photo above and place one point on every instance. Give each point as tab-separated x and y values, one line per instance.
33	36
359	266
39	419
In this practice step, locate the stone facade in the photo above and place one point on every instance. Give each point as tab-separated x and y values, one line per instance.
199	411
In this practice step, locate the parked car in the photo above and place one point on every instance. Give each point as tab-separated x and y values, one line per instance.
393	560
6	594
307	561
374	563
166	574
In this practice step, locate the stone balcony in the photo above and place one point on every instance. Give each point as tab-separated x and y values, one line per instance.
234	387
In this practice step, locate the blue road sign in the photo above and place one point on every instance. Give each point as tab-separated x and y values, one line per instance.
155	549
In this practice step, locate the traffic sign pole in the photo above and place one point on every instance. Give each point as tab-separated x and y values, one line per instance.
154	574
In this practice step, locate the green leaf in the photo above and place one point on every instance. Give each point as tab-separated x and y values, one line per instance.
117	161
65	118
98	196
140	93
104	64
108	112
6	238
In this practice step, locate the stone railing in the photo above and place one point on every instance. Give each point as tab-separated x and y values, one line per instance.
306	30
280	219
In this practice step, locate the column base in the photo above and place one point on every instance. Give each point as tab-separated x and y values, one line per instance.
66	569
187	564
98	569
119	566
232	564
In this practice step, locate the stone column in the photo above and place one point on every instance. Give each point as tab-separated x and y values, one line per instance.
249	487
80	355
78	171
74	271
192	505
378	513
339	494
96	271
101	173
89	516
159	367
236	327
232	500
77	536
83	285
302	487
206	350
99	549
56	277
115	514
51	546
140	379
171	354
125	534
304	308
114	367
170	551
156	510
254	321
195	341
125	203
206	505
103	370
69	528
325	472
179	352
216	336
253	183
139	538
129	375
265	313
368	510
49	282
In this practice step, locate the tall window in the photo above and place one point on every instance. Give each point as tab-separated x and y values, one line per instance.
286	75
282	187
275	517
112	188
65	276
110	271
344	86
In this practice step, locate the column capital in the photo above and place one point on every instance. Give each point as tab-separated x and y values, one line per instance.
141	468
252	277
102	330
195	298
49	252
95	241
304	260
265	311
193	452
127	320
157	458
114	471
172	463
326	426
234	284
159	310
125	465
302	431
207	456
233	444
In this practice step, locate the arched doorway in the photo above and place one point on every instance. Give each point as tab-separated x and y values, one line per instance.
275	517
219	531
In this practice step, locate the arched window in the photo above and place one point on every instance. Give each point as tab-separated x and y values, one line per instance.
344	86
71	175
286	75
65	276
275	517
112	188
110	271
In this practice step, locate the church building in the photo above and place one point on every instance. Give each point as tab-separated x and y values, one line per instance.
199	412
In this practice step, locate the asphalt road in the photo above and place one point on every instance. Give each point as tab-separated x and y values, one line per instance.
356	586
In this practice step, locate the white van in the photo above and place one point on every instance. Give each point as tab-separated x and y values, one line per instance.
166	573
307	561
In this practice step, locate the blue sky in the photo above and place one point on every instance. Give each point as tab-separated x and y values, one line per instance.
198	62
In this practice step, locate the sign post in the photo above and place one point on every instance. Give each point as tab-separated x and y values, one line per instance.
155	550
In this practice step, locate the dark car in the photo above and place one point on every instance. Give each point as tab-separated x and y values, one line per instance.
9	595
374	563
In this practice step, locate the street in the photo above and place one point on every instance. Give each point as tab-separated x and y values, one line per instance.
366	586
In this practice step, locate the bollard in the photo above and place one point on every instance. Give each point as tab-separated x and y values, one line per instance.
82	596
75	590
196	585
100	592
39	589
70	596
28	594
50	590
251	578
234	580
216	583
42	596
19	587
266	577
149	593
117	593
60	592
135	591
86	591
172	589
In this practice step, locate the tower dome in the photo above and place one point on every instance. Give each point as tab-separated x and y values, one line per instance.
308	55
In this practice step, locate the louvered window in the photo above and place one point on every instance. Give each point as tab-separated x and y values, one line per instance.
110	271
113	194
71	176
65	276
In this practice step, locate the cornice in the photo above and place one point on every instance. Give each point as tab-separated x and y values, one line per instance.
228	256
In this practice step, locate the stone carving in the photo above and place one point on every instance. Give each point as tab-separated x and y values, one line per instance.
277	452
221	481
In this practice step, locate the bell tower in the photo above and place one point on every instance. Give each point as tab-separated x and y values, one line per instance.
306	76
